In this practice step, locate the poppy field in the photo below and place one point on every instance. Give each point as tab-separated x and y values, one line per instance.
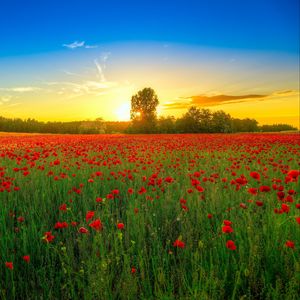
209	216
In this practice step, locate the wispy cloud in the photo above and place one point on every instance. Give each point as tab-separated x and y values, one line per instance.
13	104
78	44
214	100
20	89
100	71
74	45
6	98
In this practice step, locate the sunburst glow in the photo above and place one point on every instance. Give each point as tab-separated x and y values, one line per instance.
123	112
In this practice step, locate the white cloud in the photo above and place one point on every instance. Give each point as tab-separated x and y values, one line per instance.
13	104
81	44
20	89
5	99
100	71
74	45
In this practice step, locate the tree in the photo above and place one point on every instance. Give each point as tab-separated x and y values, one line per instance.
221	122
143	111
195	120
166	124
190	121
244	125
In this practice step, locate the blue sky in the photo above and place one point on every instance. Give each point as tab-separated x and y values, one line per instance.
28	27
89	57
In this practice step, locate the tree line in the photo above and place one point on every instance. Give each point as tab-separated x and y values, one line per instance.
195	120
144	120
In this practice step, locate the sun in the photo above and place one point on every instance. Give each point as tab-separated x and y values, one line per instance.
123	112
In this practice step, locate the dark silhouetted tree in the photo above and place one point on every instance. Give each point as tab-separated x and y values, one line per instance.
166	124
190	121
143	111
244	125
277	127
221	122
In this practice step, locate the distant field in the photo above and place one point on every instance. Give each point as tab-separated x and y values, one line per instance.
149	216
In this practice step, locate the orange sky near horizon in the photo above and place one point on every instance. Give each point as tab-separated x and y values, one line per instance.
90	83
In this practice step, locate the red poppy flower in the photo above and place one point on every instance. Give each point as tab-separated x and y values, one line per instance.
20	219
252	191
255	175
60	225
26	258
97	225
290	244
120	226
63	207
243	205
264	188
227	222
48	237
227	229
179	244
169	179
285	208
294	174
9	265
89	215
231	245
83	230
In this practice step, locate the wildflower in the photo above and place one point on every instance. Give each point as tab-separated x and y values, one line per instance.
97	225
61	225
48	237
231	245
255	175
243	205
115	192
89	215
294	174
264	188
179	244
169	179
252	191
26	258
63	207
83	230
285	208
227	222
130	191
290	244
9	265
120	226
227	229
20	219
259	203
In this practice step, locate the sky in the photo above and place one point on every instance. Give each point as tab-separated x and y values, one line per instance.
84	59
